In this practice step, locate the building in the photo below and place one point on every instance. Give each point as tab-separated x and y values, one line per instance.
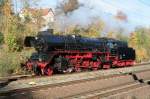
34	14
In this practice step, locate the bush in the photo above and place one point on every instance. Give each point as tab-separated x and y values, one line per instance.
8	64
1	38
10	61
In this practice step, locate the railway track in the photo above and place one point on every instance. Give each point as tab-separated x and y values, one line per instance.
20	77
80	88
110	92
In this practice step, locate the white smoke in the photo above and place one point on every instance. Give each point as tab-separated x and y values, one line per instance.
91	9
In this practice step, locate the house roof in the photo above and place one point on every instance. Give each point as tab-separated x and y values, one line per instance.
44	11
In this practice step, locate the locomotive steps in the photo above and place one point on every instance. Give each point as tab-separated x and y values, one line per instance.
61	80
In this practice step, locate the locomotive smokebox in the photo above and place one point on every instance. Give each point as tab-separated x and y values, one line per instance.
28	42
38	43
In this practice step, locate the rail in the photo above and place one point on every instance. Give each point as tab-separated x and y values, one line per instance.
119	81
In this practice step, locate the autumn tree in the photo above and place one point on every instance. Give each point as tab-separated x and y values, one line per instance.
94	29
67	6
32	17
118	34
12	28
110	34
12	33
8	24
139	40
1	38
121	16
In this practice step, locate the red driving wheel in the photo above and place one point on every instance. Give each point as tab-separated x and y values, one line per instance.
48	71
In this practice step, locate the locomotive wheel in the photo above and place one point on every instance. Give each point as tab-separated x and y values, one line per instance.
94	69
78	69
100	66
48	71
106	66
36	69
61	65
113	66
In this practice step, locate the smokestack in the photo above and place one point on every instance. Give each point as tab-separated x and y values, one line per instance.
47	32
51	31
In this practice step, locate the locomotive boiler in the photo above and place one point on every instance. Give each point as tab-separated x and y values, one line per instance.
74	53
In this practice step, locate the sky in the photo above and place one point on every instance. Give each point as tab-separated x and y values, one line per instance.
136	11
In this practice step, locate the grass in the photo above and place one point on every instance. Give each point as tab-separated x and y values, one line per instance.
10	61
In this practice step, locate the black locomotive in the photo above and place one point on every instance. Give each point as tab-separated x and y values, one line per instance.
67	53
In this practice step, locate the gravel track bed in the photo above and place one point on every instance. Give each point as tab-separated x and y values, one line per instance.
64	91
27	83
137	93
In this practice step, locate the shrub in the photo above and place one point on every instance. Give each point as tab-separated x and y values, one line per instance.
1	38
10	61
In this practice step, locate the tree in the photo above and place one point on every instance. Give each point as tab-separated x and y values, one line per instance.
110	34
121	36
13	29
68	6
133	40
94	29
139	40
33	19
8	25
121	16
1	38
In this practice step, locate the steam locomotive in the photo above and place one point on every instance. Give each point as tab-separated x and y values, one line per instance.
74	53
